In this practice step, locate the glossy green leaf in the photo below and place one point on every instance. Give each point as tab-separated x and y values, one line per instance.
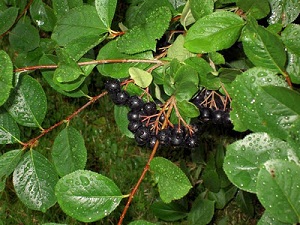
256	8
9	130
202	212
68	151
293	67
120	115
6	76
106	11
141	77
68	69
78	90
200	65
201	8
263	48
279	191
141	222
42	15
8	162
284	12
172	182
34	180
268	219
62	7
168	212
24	37
187	17
87	196
119	70
187	109
218	197
207	34
75	25
28	103
177	50
290	37
245	157
143	37
7	18
259	108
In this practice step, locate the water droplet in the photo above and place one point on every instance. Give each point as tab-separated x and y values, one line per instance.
84	180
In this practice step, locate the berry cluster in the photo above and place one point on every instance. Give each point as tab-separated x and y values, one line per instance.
214	107
145	121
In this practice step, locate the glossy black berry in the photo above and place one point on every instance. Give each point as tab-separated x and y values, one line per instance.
121	98
135	103
226	119
178	130
164	136
134	115
217	116
205	114
140	141
149	108
152	141
133	126
162	118
143	133
176	140
113	86
191	141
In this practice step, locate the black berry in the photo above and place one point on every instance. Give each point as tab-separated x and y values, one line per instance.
135	103
164	136
133	126
205	114
113	86
121	98
143	133
217	116
134	115
191	141
149	108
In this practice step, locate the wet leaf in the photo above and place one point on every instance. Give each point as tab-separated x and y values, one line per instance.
244	158
7	18
87	196
267	218
6	76
279	191
201	8
61	8
290	37
178	51
168	212
106	11
9	130
256	8
293	67
8	162
34	180
172	182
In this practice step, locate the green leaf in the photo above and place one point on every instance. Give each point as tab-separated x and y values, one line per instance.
202	212
293	67
207	34
75	25
263	48
28	103
141	222
42	15
172	182
258	107
256	8
245	202
106	11
87	196
201	8
61	8
141	77
143	37
24	37
34	180
245	157
284	12
177	50
54	224
120	114
267	218
187	17
8	162
187	109
278	190
168	212
290	38
68	151
9	130
200	65
7	18
6	76
119	70
68	69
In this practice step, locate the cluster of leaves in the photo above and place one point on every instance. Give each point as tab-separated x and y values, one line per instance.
247	50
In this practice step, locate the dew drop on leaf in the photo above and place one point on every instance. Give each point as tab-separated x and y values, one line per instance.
84	180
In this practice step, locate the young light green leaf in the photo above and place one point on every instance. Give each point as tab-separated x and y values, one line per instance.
106	11
28	103
278	190
141	77
187	17
143	37
34	180
168	212
178	51
119	70
7	18
75	25
256	8
201	8
207	34
245	157
9	130
8	162
290	37
24	37
68	152
202	212
6	76
283	12
42	15
120	114
87	196
263	48
172	182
